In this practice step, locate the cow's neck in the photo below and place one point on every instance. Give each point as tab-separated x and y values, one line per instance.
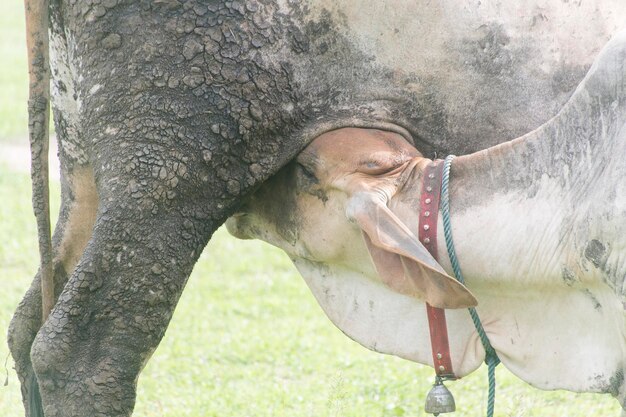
505	202
533	208
538	229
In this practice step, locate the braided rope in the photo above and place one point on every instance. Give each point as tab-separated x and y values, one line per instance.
491	357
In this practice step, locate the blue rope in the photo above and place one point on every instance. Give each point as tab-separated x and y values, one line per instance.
491	357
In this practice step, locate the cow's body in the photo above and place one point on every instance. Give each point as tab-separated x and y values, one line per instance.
168	113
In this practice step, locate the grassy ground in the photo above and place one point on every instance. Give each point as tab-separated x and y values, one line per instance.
247	339
13	72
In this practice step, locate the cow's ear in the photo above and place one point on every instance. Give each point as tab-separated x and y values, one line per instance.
402	262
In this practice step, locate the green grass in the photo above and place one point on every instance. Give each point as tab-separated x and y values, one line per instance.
13	72
248	339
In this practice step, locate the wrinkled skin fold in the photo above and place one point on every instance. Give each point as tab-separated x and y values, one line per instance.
169	113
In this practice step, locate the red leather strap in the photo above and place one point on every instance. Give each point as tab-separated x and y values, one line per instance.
429	211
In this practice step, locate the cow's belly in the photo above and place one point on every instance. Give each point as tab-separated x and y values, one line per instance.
462	78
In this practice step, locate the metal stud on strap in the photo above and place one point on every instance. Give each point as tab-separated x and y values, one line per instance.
429	209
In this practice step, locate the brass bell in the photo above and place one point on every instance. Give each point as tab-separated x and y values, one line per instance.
439	400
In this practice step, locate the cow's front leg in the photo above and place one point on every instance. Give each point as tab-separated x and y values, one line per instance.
22	330
72	232
119	300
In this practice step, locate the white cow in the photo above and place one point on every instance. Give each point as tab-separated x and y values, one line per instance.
539	225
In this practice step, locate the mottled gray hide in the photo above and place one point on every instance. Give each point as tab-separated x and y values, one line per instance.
169	112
